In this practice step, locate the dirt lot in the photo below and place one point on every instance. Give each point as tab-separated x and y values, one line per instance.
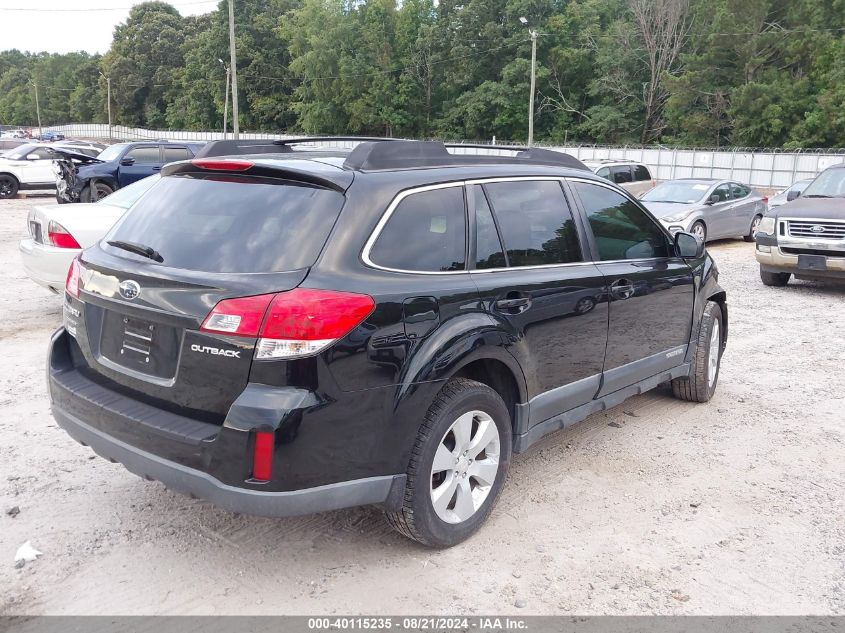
657	506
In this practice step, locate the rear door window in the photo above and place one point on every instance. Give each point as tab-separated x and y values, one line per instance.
535	221
426	232
739	191
641	173
221	224
621	174
172	154
144	155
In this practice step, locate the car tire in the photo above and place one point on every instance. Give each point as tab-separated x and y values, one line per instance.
698	228
755	223
95	192
700	385
464	413
777	280
8	186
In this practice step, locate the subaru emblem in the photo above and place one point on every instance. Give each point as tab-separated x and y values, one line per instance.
129	289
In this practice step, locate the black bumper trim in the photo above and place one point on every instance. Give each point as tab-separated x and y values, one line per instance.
197	484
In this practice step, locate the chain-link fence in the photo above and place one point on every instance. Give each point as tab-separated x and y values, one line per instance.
767	169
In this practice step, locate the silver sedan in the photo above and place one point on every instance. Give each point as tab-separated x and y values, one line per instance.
709	208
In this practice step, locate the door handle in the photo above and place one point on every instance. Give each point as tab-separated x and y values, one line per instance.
157	168
513	306
622	289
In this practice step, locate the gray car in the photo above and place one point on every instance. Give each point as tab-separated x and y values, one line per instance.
790	193
709	208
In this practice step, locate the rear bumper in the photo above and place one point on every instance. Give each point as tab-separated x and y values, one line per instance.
202	459
46	265
200	485
776	261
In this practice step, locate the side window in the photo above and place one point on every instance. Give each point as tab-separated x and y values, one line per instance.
621	174
739	191
144	155
42	153
536	223
172	154
641	173
723	191
426	232
604	172
621	229
488	245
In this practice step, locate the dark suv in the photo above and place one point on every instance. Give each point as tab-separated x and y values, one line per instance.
305	330
86	179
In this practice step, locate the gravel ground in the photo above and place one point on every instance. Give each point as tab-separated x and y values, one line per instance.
656	506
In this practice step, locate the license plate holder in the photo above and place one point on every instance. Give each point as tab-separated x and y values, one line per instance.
140	345
812	262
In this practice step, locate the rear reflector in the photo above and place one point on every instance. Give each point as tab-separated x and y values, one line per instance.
222	165
60	236
292	324
72	282
262	459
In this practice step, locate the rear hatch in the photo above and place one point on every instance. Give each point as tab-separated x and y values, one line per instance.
194	240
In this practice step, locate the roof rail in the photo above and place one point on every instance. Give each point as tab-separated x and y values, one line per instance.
239	147
406	154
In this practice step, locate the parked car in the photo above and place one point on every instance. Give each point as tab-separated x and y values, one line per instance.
292	332
805	238
58	233
28	166
706	207
790	193
50	136
16	133
81	180
633	177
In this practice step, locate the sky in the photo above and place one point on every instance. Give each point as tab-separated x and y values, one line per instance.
62	26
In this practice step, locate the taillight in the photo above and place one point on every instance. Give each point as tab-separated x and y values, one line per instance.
222	165
291	324
304	321
74	273
60	236
765	199
239	317
262	457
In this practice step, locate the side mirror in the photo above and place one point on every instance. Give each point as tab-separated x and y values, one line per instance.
127	162
713	199
33	157
688	245
792	195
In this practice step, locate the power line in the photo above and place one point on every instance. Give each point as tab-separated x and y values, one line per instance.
91	9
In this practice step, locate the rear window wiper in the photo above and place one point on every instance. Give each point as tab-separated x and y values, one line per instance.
138	249
817	195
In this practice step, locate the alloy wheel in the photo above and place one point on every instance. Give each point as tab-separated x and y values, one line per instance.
465	467
713	356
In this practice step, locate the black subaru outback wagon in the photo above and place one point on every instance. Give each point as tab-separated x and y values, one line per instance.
289	329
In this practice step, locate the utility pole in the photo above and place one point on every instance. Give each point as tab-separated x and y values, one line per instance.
37	107
534	34
226	102
108	102
234	68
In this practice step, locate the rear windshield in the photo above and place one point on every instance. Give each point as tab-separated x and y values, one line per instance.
225	224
